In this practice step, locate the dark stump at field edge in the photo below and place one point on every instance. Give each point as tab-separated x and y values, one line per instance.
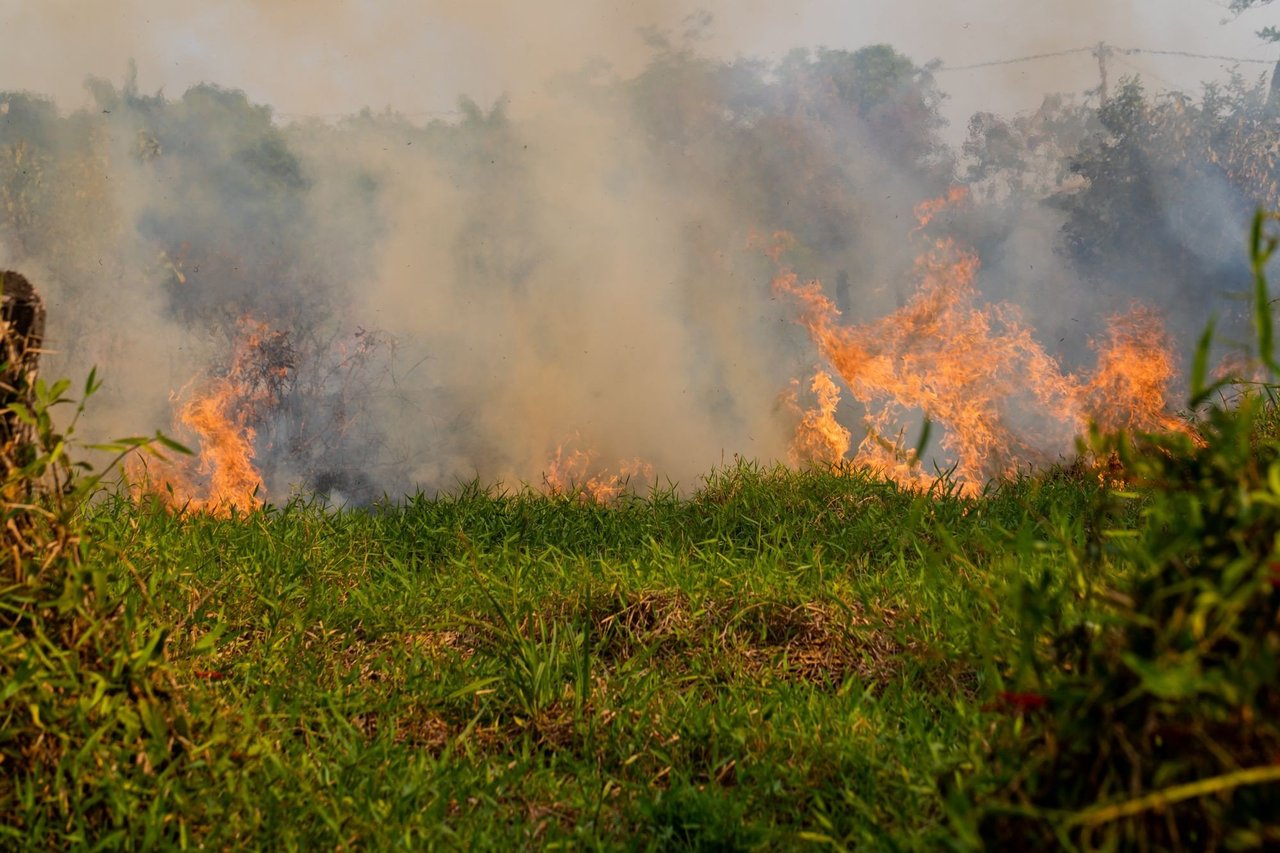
22	313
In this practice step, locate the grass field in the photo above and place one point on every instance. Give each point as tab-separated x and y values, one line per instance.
781	657
778	658
1086	657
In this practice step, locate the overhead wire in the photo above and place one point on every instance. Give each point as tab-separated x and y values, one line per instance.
1094	48
1188	55
1111	51
1145	72
1016	59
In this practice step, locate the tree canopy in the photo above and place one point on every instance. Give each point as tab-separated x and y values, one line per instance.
1267	33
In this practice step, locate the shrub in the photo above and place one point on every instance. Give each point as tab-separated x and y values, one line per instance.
85	694
1146	709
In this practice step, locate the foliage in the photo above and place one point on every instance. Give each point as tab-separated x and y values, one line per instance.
1147	693
1167	187
799	145
85	695
1026	157
1267	33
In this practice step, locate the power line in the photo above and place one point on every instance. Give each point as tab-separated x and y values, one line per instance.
1094	48
1146	72
377	113
1194	55
1102	50
1016	59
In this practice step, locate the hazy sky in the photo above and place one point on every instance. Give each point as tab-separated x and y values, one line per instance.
336	56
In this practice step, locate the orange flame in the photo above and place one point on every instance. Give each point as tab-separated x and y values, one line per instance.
819	438
926	210
1127	390
970	367
222	476
573	472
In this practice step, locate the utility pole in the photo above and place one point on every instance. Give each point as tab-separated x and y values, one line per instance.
1273	98
1102	52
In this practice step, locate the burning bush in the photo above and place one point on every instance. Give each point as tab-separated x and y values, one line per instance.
1003	402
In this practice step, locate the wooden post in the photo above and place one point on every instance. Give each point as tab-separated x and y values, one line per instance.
1102	51
1273	97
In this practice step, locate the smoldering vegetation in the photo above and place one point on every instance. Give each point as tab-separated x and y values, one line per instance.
475	298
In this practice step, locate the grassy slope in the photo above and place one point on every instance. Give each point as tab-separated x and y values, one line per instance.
782	654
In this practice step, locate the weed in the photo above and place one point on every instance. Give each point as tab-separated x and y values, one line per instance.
1144	710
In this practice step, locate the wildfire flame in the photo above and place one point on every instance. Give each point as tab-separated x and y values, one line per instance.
219	413
573	471
973	368
969	367
925	211
819	437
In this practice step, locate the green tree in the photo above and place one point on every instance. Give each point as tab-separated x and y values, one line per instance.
1271	34
1167	187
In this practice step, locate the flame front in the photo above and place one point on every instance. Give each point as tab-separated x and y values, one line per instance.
226	452
1002	403
973	368
574	471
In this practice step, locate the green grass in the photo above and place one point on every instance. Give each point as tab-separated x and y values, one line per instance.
780	658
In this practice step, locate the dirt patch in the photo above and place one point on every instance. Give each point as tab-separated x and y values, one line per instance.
816	642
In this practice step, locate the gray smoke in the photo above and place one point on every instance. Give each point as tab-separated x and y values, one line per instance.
458	298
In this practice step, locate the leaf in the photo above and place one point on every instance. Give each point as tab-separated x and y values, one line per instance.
59	389
165	441
92	383
925	430
816	838
1107	812
209	640
1260	250
474	687
56	453
1167	681
154	648
1200	368
22	413
120	445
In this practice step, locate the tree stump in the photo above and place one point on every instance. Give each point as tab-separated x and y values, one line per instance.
21	334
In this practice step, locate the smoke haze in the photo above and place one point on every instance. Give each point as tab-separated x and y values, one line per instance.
570	262
334	57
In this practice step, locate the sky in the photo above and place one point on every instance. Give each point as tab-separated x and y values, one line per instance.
334	57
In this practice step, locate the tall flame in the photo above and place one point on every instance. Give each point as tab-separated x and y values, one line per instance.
819	438
219	414
971	367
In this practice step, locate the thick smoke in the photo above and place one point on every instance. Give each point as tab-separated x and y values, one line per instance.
472	297
464	299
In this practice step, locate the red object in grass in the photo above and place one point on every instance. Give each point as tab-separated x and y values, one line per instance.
1012	701
209	674
1274	566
